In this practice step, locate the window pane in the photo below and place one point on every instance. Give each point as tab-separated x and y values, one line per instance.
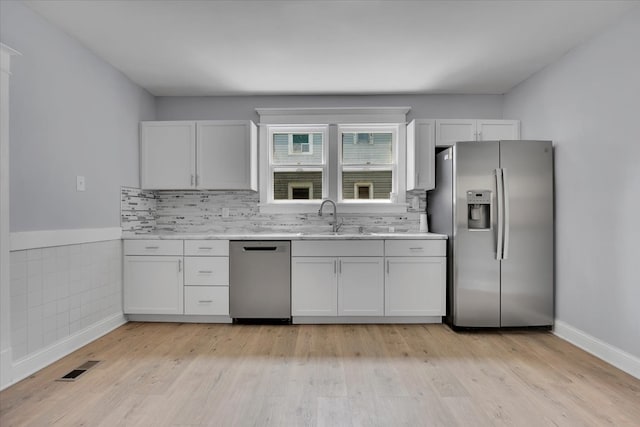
366	185
297	185
367	148
297	148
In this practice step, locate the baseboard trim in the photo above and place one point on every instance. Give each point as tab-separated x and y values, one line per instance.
6	357
610	354
332	320
34	362
46	238
180	318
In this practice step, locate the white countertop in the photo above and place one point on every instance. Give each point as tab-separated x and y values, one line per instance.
284	236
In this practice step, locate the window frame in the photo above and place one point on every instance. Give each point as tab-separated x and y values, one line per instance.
369	128
330	118
299	165
296	185
309	144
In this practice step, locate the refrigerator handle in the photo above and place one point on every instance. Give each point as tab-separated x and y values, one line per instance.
505	185
499	200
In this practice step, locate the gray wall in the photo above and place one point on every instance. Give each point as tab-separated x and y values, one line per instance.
71	114
243	107
588	103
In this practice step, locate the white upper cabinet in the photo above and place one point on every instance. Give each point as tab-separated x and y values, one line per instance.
449	131
167	155
497	130
207	155
227	155
421	155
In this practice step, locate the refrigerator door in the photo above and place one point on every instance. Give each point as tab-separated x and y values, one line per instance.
476	271
440	211
527	265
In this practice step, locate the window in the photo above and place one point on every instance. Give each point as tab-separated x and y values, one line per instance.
354	156
363	190
367	162
300	190
299	143
297	165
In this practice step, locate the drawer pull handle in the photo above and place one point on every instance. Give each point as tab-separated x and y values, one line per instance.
416	249
152	247
207	248
205	271
205	301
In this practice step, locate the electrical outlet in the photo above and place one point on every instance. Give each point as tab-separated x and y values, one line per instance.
225	212
80	183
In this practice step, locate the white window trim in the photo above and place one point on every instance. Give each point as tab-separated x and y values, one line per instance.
298	117
393	166
266	153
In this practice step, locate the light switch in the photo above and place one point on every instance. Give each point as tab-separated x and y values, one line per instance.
80	183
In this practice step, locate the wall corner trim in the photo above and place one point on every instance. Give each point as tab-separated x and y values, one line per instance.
602	350
46	238
34	362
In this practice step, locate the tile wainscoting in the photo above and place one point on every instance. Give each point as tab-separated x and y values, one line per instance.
57	292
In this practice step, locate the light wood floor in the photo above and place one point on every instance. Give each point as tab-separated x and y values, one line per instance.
333	375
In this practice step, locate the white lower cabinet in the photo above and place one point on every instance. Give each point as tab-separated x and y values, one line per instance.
176	277
415	277
360	286
415	286
338	285
153	284
314	286
396	278
206	300
206	277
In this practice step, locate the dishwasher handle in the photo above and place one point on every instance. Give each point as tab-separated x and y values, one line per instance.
260	248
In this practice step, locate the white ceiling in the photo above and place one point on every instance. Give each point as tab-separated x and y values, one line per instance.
329	47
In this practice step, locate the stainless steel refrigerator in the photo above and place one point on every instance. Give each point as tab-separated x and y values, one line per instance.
494	199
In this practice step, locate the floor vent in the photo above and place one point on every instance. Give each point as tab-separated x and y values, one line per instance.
74	374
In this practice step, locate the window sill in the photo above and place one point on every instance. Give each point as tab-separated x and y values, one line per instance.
343	208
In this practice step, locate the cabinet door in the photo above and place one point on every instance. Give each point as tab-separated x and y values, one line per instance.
314	286
421	155
227	155
167	155
452	130
153	285
360	286
497	130
415	286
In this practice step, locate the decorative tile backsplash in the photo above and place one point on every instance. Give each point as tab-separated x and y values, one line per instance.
202	211
137	210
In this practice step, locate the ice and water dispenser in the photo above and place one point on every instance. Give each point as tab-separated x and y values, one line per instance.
479	209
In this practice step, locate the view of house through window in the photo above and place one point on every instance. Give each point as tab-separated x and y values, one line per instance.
297	163
365	169
367	164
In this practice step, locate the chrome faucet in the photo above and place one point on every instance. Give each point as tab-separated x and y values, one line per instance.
335	225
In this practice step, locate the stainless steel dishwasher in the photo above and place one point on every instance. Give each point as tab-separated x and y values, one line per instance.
260	279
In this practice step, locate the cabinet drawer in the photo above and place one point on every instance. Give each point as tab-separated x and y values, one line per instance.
153	247
207	300
415	247
337	248
206	271
206	247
